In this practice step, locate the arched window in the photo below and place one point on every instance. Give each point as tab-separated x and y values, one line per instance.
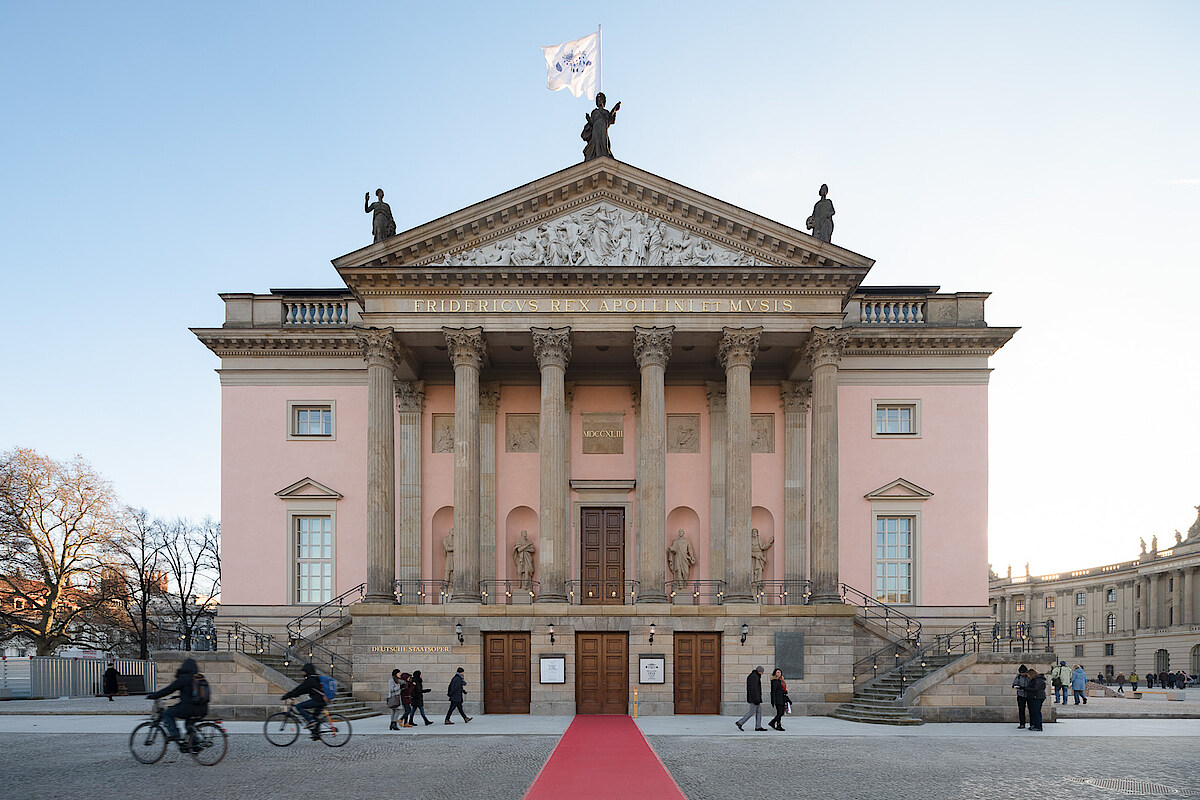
1110	624
1162	661
1080	626
1196	660
1108	670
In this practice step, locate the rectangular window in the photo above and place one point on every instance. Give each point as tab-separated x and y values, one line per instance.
313	421
1110	596
897	418
893	559
1170	584
314	559
1108	650
1081	598
1020	605
1050	602
1079	651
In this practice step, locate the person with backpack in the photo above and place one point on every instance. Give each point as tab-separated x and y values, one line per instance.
194	695
314	687
1021	684
1060	679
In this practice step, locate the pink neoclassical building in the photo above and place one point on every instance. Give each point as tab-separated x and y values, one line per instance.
603	434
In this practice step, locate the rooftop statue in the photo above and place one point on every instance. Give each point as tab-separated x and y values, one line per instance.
821	221
595	130
382	224
1194	531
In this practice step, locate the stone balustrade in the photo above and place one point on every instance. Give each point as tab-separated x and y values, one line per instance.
295	308
316	312
915	305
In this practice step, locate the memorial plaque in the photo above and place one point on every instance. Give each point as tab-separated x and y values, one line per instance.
443	433
789	654
683	433
603	433
553	669
521	433
762	433
652	669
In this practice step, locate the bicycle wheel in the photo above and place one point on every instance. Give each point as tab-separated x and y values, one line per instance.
334	730
148	742
281	728
209	743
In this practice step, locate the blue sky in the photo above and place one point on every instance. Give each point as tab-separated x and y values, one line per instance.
157	154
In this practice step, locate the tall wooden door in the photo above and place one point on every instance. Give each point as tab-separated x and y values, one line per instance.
601	673
603	556
697	673
506	673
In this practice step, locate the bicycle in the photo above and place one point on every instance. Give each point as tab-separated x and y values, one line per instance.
283	727
204	740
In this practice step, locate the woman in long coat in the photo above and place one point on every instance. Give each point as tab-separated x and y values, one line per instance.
1079	684
112	681
779	698
418	698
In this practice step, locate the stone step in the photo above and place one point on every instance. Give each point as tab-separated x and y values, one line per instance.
872	719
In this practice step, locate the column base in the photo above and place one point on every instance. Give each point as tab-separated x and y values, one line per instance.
380	598
652	597
826	598
740	598
548	597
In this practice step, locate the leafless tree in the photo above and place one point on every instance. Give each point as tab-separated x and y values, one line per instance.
191	556
138	567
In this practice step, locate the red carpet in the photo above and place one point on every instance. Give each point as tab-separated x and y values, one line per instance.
603	758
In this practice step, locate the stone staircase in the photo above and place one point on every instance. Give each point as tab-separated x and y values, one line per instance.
877	702
344	703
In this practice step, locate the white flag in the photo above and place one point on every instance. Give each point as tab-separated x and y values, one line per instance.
574	65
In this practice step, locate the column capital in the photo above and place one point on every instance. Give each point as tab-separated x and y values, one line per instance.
378	346
716	396
739	346
466	346
410	396
489	397
652	346
825	346
551	346
796	395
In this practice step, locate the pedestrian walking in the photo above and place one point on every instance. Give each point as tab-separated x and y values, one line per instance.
1060	679
395	690
1162	680
1150	680
754	698
779	698
112	681
1021	684
455	691
1133	680
1079	684
1121	682
406	701
418	698
1035	694
1100	679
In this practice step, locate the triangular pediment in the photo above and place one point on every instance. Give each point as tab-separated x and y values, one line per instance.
899	489
603	212
307	487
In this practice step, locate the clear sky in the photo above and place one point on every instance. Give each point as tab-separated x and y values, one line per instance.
156	154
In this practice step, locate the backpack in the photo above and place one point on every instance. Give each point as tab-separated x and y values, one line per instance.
328	687
201	692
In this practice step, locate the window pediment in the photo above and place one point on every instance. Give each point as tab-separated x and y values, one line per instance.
899	489
308	488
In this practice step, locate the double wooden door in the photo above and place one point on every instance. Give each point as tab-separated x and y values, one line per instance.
603	556
601	673
697	673
506	673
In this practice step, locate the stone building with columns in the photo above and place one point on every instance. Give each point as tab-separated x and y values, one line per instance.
595	364
1134	615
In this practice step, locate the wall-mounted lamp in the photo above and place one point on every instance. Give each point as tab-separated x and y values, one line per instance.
745	633
458	630
651	633
551	633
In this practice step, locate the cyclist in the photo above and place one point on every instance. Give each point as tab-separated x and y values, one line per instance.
192	704
311	685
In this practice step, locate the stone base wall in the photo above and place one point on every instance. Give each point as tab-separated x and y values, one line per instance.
242	688
422	637
977	688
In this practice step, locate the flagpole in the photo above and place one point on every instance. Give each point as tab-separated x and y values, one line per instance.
600	58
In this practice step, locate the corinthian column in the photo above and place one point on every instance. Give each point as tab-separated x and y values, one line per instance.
410	399
738	348
467	350
552	348
652	348
380	352
489	405
795	398
825	346
717	529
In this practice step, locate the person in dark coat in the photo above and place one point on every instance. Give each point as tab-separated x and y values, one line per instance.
754	698
779	698
418	698
311	685
455	691
112	681
186	707
1035	695
1021	684
406	694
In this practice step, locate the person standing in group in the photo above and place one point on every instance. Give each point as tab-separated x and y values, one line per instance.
1100	679
1162	680
1060	679
418	698
1035	695
112	681
1079	684
455	691
1150	679
395	690
754	698
779	698
1133	679
406	700
1021	684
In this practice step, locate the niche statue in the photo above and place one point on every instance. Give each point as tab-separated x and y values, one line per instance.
758	553
523	552
680	558
448	549
382	224
595	130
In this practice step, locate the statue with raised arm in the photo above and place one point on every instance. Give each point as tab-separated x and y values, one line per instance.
595	130
448	549
758	553
680	558
382	224
821	221
523	552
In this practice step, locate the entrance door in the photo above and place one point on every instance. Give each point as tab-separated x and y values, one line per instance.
506	673
603	556
697	673
602	673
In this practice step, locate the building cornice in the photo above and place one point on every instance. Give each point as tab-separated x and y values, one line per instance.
227	342
927	341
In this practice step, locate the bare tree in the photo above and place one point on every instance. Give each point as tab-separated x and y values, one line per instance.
191	555
138	567
58	522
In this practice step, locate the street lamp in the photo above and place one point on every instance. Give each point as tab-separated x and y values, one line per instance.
458	630
651	633
745	633
551	633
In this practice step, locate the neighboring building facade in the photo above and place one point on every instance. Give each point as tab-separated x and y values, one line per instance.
722	375
1135	615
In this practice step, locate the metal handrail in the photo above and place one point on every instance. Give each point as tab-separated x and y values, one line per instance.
421	593
783	593
629	592
330	611
891	618
696	592
240	637
504	592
